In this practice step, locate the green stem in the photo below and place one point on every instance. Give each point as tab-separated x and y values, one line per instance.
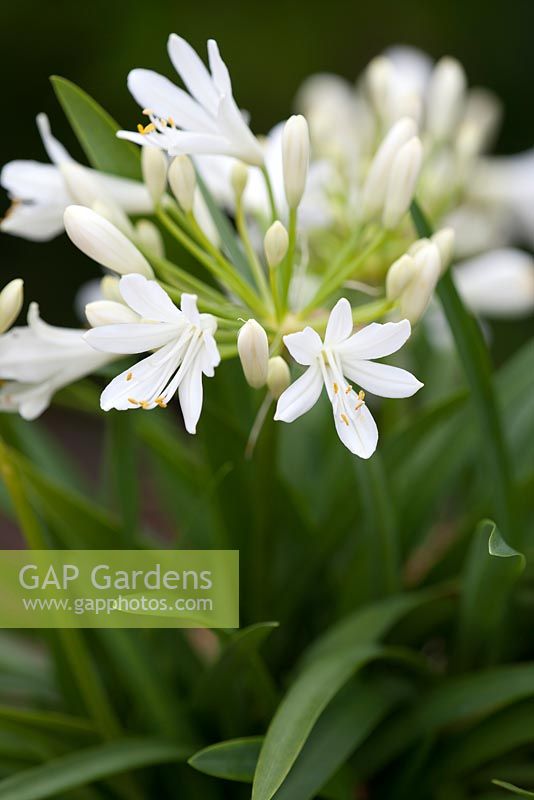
123	456
222	270
477	365
286	267
256	267
270	193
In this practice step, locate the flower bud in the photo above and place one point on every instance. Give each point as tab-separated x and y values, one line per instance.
114	214
399	276
379	77
11	299
253	349
446	98
295	158
275	244
154	168
183	181
109	288
103	242
418	293
239	179
444	239
149	237
374	191
109	312
401	184
278	376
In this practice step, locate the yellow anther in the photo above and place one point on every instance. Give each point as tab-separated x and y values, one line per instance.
361	395
171	122
129	376
160	401
146	128
345	419
147	112
134	402
336	388
144	404
348	390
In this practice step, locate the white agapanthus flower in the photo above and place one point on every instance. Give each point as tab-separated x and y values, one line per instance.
184	350
37	360
205	119
344	357
40	192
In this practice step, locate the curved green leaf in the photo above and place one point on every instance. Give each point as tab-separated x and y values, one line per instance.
234	760
96	131
88	765
514	789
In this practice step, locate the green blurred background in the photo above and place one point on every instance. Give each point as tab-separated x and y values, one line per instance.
270	48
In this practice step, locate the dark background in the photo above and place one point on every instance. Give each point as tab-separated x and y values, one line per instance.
269	47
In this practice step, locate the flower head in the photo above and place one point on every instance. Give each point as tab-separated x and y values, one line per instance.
205	119
184	350
344	357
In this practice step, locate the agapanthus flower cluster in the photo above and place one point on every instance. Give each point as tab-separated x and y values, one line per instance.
284	229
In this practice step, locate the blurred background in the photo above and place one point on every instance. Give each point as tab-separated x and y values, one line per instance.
270	48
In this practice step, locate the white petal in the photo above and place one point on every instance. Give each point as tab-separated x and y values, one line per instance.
160	95
109	312
304	346
134	338
498	284
31	180
382	379
142	382
357	431
210	357
52	334
300	396
185	143
149	300
36	222
193	72
189	308
190	395
219	70
340	323
132	196
376	340
54	149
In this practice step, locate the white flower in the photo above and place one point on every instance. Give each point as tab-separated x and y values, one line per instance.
341	358
11	299
497	284
208	116
37	360
184	346
40	193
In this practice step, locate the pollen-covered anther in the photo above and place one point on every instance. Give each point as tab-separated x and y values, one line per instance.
148	112
348	390
160	401
144	129
171	122
345	419
361	400
336	388
133	401
129	376
144	404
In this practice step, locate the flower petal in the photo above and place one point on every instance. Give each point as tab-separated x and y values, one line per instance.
357	430
192	71
376	340
190	394
142	382
32	180
134	338
149	300
300	396
36	222
340	323
304	346
55	151
219	70
189	308
157	93
382	379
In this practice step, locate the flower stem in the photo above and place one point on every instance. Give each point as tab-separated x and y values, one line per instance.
476	361
270	193
255	266
286	267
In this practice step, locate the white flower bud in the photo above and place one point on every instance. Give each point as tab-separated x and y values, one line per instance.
399	276
239	179
114	214
444	239
183	182
401	184
374	191
154	168
275	244
446	98
81	184
109	288
253	349
103	242
109	312
148	235
11	299
295	158
278	376
418	293
379	78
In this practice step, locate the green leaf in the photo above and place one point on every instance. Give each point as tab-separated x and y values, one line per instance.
88	765
327	666
514	789
477	365
96	131
498	547
234	760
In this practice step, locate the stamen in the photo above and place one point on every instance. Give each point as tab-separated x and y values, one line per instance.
348	390
160	401
345	419
144	404
361	400
129	376
134	402
147	112
150	128
336	388
171	122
